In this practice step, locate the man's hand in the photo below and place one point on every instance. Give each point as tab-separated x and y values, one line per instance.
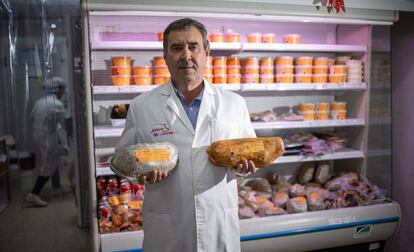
154	176
245	167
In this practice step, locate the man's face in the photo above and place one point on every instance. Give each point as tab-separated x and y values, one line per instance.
186	56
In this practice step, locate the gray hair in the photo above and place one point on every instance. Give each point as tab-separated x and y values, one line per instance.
52	85
184	24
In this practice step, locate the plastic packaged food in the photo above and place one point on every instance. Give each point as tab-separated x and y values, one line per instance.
161	70
303	78
284	69
121	80
233	61
284	78
306	173
141	159
250	78
121	70
303	70
262	151
142	70
280	199
291	39
283	61
233	37
220	79
142	79
160	36
266	78
322	173
296	190
320	70
121	61
219	61
297	205
308	115
322	106
250	61
216	37
331	61
161	79
259	184
219	70
266	62
233	69
337	78
319	78
266	70
268	38
254	38
337	106
341	60
304	61
233	78
158	61
320	61
306	106
338	114
322	115
338	69
251	70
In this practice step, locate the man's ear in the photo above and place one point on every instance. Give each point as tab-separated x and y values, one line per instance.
208	51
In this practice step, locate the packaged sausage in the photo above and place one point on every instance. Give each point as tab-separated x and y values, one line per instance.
262	151
297	205
280	199
143	158
297	190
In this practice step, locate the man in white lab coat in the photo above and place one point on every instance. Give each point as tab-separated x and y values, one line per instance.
195	207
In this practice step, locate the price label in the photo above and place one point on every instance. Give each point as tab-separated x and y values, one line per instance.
113	200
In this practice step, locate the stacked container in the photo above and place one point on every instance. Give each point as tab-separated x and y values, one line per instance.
220	69
233	70
142	75
337	73
266	70
161	72
284	69
338	110
307	110
320	70
250	70
121	71
303	69
208	70
355	71
232	37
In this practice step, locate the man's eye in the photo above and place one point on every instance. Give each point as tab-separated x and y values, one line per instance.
176	48
194	47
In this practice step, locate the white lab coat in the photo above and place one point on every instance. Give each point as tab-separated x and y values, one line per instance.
46	115
195	207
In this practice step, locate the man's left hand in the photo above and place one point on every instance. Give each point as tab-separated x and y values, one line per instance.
245	167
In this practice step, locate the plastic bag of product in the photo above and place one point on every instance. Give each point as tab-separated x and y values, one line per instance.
259	184
141	159
280	199
297	205
279	183
322	173
241	202
315	197
245	212
270	210
297	190
306	173
262	151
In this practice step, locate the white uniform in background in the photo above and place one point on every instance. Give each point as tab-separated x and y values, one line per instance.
196	207
46	116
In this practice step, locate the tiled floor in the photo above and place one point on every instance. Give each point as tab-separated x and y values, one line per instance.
52	228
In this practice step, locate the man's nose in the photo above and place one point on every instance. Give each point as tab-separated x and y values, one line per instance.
186	54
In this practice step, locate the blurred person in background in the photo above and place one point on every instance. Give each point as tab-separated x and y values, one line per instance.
49	137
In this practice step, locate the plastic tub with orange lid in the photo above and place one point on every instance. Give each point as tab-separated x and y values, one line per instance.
233	69
219	61
266	62
303	78
219	70
158	61
319	78
121	80
251	70
250	78
266	70
322	106
337	106
233	78
320	61
338	69
216	37
284	61
233	60
209	78
267	78
291	39
220	79
121	61
304	61
250	61
161	79
268	38
161	70
232	37
337	78
160	36
121	70
284	69
308	115
142	70
320	70
254	38
285	78
338	114
303	69
306	106
322	115
142	79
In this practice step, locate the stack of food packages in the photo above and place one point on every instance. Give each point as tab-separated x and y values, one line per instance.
256	37
312	189
142	75
119	205
324	110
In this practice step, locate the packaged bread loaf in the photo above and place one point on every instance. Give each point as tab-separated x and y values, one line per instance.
141	159
262	151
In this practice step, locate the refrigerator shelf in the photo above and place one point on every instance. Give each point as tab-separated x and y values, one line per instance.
103	89
238	47
342	154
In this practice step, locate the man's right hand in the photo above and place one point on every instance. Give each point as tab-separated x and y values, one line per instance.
154	176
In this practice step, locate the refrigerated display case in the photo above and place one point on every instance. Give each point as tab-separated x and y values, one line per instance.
134	34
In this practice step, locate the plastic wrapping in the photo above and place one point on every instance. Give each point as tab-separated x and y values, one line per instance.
141	159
